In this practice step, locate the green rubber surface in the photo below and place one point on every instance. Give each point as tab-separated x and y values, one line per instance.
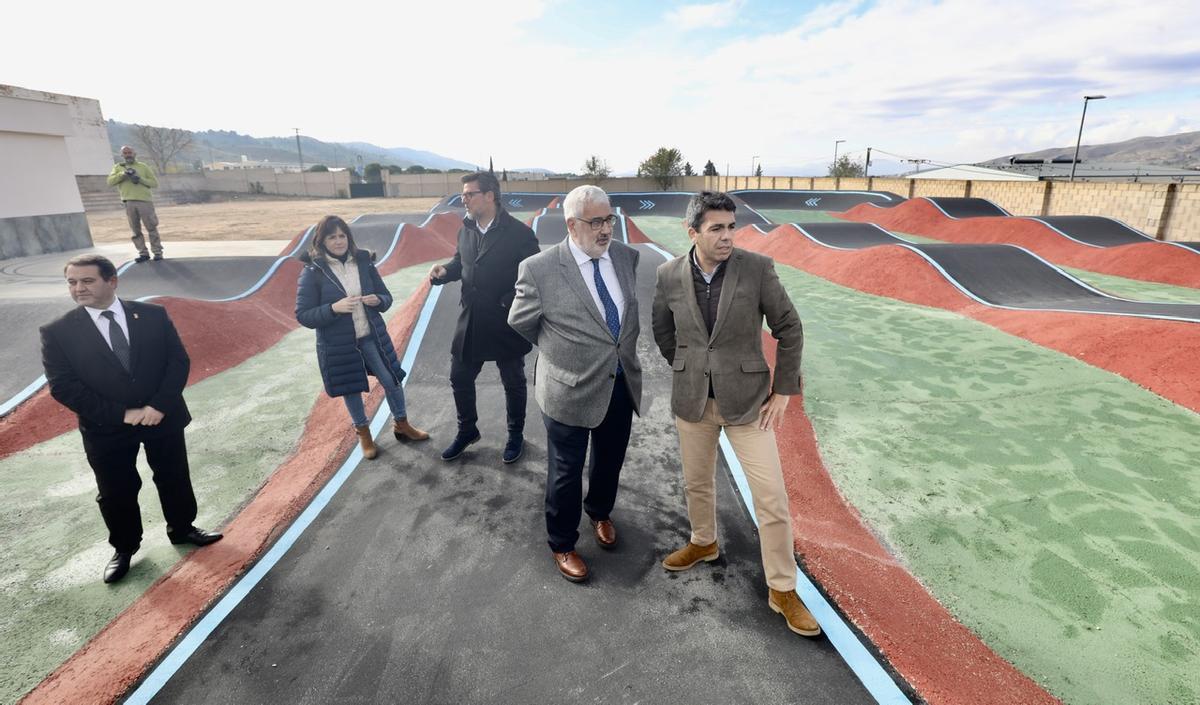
1052	507
246	421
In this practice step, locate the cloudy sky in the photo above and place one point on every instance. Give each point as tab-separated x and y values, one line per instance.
548	82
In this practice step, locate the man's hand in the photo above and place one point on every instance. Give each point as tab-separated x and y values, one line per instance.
133	417
770	416
437	272
151	416
346	305
370	300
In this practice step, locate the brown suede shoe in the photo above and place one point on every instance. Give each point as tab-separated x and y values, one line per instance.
690	555
799	619
606	533
366	441
405	432
571	565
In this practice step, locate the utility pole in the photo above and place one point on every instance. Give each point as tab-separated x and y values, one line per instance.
918	162
867	165
1075	161
835	146
300	154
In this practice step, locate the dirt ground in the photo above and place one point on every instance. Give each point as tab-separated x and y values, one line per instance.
248	219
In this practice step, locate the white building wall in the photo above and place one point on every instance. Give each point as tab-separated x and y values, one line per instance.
36	176
86	133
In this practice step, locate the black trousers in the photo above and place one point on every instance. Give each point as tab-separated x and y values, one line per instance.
566	449
462	382
114	462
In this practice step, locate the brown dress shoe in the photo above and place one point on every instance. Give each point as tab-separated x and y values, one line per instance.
690	555
606	533
799	619
405	432
571	566
366	441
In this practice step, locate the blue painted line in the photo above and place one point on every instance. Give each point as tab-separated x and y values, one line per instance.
206	626
18	398
868	671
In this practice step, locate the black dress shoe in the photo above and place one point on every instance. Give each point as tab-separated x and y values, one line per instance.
142	258
458	445
514	448
117	567
199	537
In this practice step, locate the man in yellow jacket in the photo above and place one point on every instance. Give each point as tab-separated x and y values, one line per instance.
134	180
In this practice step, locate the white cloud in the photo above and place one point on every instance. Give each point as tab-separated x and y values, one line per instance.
952	80
704	16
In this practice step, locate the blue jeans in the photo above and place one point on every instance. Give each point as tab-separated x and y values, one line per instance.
378	367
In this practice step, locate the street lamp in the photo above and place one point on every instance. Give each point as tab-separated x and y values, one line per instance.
1078	139
752	159
835	144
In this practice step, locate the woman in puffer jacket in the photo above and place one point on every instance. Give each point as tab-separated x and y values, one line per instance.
341	296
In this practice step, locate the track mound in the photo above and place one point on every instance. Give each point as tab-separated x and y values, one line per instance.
1151	261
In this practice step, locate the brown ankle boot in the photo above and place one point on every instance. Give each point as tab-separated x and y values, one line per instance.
404	431
788	604
368	444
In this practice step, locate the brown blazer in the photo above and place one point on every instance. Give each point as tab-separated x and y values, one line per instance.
733	355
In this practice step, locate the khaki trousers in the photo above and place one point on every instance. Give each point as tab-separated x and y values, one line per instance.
759	456
139	212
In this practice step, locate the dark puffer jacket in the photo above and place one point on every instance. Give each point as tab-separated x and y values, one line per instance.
342	366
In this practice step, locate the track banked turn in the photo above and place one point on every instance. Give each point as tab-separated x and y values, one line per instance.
1000	275
816	200
426	581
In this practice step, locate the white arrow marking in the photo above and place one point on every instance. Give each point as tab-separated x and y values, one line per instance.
645	205
812	202
515	202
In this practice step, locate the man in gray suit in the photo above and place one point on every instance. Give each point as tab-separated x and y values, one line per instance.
577	302
709	307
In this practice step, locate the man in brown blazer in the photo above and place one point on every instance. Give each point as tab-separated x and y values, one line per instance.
709	307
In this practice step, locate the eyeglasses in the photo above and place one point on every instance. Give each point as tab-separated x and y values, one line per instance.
466	195
598	223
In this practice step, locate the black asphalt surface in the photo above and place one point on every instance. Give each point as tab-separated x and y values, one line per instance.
1095	230
1190	245
431	582
1002	275
21	353
516	201
836	201
194	277
967	207
666	203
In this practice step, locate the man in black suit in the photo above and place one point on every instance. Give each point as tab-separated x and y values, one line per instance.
121	367
491	243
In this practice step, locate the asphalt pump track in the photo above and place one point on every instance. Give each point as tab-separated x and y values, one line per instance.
427	581
1004	276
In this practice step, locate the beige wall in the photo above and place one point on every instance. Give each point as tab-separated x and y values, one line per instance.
330	184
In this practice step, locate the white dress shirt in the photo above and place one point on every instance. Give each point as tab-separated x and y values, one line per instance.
607	273
102	321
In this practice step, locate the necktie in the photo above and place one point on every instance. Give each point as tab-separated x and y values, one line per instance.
611	317
116	336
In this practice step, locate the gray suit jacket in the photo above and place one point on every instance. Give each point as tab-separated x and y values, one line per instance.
577	358
733	354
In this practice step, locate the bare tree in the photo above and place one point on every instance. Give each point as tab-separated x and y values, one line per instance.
596	168
162	144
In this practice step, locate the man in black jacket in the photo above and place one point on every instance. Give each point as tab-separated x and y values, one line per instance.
491	243
121	367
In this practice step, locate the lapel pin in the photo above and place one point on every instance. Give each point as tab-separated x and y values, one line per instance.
135	315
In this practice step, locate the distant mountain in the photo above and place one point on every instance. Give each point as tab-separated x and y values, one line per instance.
1181	151
227	146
